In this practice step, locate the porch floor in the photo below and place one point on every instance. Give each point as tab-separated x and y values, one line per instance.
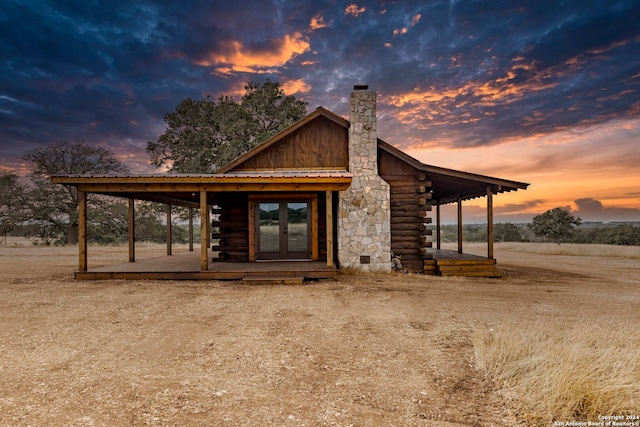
186	266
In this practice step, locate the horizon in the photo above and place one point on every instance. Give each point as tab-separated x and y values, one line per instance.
547	96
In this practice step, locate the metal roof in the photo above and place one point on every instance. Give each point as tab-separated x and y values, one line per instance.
184	189
449	184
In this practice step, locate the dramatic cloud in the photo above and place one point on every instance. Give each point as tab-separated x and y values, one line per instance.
524	207
296	87
589	209
543	93
235	57
354	10
317	22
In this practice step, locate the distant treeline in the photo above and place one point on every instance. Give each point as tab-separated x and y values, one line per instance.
114	233
627	234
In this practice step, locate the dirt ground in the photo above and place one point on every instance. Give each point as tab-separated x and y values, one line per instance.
362	350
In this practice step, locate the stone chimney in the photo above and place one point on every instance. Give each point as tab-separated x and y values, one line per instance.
364	212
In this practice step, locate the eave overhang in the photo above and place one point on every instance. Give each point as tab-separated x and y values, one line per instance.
184	189
450	185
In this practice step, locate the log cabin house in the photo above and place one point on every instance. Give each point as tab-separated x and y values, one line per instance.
324	193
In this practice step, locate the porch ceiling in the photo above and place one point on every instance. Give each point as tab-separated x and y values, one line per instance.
449	184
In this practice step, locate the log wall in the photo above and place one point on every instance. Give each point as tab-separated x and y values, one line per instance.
410	205
230	227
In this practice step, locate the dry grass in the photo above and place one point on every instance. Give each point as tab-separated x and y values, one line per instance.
563	369
573	249
555	339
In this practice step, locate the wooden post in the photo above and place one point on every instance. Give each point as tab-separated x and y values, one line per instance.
132	231
168	229
314	229
252	230
489	223
82	230
329	227
190	229
438	228
204	232
459	224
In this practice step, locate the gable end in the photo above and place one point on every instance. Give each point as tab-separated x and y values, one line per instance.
321	144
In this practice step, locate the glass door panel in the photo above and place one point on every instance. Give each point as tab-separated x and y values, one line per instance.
269	227
297	229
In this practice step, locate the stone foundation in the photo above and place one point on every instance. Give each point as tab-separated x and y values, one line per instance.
364	211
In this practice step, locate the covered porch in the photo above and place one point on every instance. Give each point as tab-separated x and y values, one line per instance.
448	186
206	193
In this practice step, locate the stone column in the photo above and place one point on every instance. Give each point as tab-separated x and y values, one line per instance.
364	211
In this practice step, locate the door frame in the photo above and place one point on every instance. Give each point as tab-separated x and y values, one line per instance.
254	220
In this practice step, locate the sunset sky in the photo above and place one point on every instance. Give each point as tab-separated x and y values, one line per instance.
544	92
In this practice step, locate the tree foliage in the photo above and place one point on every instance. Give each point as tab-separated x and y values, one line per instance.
12	202
507	232
51	207
618	234
110	225
35	207
556	225
203	135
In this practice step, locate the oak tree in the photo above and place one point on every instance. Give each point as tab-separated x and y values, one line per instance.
54	206
203	135
555	224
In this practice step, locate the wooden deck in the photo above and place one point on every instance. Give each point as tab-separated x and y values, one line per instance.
451	263
186	266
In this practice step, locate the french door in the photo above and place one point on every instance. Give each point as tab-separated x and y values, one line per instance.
283	229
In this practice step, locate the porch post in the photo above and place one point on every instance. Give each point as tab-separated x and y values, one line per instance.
489	223
204	232
168	229
132	231
459	224
314	229
82	230
438	229
190	229
329	228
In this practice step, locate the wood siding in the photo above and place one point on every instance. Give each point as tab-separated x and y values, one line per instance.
321	144
410	204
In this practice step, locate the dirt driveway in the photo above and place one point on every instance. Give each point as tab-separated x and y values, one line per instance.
361	350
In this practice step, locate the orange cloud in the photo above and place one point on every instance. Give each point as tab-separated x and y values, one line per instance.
422	106
397	31
238	58
296	86
416	19
419	97
317	22
610	47
354	10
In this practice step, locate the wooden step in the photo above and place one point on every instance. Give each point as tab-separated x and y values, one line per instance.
273	280
463	262
471	273
469	270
